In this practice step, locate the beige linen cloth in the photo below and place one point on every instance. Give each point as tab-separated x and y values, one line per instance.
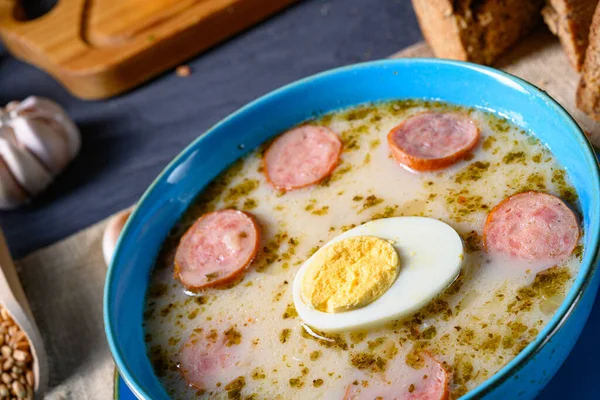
64	282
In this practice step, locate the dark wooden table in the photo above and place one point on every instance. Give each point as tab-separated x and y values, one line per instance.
128	140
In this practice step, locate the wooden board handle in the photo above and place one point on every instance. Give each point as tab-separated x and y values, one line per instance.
38	41
99	48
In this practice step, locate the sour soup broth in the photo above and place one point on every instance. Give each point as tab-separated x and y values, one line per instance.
495	307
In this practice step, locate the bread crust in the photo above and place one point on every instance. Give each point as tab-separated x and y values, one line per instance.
475	30
588	91
570	20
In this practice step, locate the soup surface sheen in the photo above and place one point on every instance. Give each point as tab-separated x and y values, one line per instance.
487	316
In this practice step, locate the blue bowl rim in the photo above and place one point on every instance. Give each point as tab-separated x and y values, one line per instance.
569	304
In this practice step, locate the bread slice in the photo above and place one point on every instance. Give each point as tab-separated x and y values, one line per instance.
588	92
570	20
475	30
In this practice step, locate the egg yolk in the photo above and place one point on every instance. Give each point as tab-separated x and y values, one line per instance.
350	274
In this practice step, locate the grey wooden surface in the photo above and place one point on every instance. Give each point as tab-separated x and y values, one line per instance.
128	140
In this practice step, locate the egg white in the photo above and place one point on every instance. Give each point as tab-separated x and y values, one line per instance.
431	256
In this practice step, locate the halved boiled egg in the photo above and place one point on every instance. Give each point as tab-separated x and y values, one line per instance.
377	272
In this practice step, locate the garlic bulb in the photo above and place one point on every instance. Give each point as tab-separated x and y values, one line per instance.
37	141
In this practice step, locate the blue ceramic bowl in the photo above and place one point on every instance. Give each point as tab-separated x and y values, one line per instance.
455	82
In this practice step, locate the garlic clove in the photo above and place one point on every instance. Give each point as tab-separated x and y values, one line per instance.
12	194
26	169
34	107
42	137
111	234
11	105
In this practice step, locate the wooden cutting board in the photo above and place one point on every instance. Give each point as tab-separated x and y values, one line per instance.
100	48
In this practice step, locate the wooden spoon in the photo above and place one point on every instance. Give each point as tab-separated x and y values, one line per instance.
12	298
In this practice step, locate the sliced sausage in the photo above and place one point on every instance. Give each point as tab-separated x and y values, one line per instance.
302	156
433	140
531	225
433	384
204	357
216	249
